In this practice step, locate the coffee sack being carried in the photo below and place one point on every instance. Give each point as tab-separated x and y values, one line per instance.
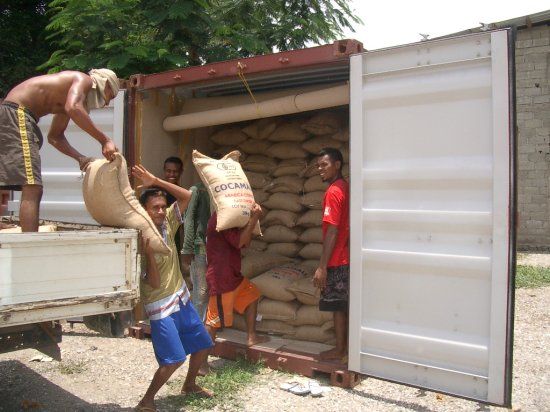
228	187
111	201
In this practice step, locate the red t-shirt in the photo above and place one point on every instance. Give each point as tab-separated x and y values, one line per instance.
223	257
336	212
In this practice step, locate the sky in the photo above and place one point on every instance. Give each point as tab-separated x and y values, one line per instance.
394	22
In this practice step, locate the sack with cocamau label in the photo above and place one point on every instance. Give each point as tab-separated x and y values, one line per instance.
228	187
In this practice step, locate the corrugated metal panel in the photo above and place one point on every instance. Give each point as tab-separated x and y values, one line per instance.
314	65
433	209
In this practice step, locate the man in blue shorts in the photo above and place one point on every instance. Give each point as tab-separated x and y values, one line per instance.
176	329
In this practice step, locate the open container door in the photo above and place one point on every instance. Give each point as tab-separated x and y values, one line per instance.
433	259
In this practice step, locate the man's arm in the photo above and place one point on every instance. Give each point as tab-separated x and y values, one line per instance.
188	249
75	109
246	232
56	137
320	276
148	179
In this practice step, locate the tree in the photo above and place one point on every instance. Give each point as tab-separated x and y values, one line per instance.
145	36
23	45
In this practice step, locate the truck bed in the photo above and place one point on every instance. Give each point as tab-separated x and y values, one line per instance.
64	274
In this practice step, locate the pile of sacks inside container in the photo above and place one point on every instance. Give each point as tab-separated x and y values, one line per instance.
278	156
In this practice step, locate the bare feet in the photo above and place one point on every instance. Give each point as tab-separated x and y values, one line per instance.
334	354
6	225
254	340
197	390
145	407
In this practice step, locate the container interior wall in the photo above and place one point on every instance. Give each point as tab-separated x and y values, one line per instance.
155	144
278	155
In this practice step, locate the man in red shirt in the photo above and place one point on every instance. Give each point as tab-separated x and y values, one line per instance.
332	275
227	287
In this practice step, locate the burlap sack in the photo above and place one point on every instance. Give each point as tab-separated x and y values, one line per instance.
312	200
255	263
259	163
313	333
257	245
281	233
311	235
284	201
278	310
311	251
342	135
290	167
258	180
325	122
315	144
228	187
311	264
311	218
287	150
253	146
275	327
289	132
261	196
311	169
311	315
289	249
315	184
262	129
280	217
228	137
274	282
304	291
286	184
269	326
110	200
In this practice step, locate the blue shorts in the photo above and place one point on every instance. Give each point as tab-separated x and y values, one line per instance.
178	335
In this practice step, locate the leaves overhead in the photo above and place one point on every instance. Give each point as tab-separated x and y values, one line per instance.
148	36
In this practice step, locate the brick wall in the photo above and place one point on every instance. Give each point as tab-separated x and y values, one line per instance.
533	120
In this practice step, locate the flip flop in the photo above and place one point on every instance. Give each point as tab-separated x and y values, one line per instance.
287	386
315	389
300	390
295	387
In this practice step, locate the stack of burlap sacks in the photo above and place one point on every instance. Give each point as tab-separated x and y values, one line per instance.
279	159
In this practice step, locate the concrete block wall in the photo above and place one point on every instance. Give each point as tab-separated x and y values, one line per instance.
533	121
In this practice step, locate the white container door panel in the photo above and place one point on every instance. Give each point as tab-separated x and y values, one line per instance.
431	211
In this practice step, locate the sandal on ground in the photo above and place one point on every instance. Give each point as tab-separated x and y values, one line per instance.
295	387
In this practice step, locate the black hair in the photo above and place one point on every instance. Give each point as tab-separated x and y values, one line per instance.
174	159
149	193
333	153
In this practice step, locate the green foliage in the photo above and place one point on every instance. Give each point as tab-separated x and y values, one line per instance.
225	382
146	36
532	276
23	45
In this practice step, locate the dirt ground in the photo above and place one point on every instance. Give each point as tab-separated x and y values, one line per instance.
111	374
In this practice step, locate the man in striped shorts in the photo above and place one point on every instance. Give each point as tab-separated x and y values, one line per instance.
68	95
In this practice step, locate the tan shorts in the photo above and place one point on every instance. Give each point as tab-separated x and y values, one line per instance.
20	143
222	306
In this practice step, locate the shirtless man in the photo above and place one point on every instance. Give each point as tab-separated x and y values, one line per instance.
68	95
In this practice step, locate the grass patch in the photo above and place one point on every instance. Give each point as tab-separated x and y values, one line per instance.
71	367
226	383
532	276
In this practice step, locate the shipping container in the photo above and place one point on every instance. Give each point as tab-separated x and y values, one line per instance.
427	131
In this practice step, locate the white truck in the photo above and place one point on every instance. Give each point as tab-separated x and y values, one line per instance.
432	179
